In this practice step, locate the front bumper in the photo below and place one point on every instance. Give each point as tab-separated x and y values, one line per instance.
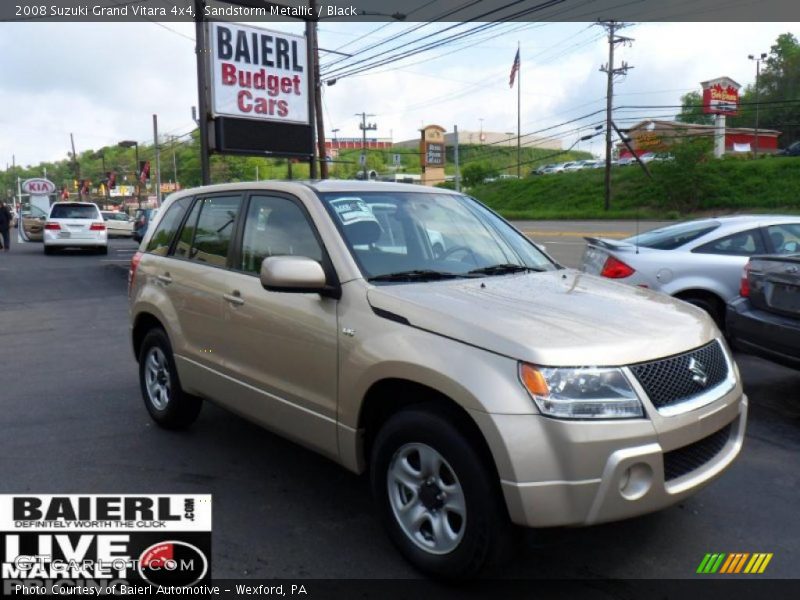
557	473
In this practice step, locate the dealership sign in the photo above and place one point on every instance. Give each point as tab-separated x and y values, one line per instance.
258	74
721	96
104	544
38	187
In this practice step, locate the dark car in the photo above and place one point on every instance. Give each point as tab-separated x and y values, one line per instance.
792	150
765	320
141	220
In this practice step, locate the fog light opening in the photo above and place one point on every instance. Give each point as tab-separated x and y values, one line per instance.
636	481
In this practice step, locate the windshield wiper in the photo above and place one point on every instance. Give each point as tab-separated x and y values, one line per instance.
502	269
415	275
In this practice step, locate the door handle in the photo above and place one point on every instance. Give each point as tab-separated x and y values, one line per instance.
165	278
234	298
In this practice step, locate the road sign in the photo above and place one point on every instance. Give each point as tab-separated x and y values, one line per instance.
362	160
397	159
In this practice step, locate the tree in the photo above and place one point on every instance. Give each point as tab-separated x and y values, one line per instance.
778	94
692	110
475	172
683	181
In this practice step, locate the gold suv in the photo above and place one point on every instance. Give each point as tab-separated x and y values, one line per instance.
479	383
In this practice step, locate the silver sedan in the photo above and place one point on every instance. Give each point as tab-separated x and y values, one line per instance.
698	261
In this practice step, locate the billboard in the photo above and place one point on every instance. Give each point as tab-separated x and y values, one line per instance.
258	74
721	96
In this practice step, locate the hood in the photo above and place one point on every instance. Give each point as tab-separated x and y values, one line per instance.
554	318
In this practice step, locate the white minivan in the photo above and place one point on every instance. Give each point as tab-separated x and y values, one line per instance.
75	225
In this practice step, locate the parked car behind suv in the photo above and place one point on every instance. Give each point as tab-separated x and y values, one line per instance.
75	225
118	223
697	261
141	221
479	387
765	319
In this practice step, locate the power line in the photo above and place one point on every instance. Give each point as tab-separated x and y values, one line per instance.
352	69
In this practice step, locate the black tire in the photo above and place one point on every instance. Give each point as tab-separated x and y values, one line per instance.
49	250
102	250
486	531
174	409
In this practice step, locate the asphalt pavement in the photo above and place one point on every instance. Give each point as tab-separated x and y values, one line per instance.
73	421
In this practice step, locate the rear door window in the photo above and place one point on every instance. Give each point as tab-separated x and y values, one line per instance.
165	232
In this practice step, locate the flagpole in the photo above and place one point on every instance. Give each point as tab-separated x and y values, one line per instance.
519	96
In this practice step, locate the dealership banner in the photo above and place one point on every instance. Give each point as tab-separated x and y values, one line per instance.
104	544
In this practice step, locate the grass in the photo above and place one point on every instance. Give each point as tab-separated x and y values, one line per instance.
769	185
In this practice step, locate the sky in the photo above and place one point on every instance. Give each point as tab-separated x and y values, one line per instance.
104	81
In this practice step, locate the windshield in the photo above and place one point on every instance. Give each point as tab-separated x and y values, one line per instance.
674	236
429	235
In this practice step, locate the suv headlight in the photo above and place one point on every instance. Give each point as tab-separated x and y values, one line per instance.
581	393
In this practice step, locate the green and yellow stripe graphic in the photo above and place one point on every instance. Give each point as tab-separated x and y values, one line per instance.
735	562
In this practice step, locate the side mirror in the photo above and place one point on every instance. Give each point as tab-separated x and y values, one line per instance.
297	274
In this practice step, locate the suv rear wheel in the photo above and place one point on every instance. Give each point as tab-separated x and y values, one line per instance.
167	403
437	496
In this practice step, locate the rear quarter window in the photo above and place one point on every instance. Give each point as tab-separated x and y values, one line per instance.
674	236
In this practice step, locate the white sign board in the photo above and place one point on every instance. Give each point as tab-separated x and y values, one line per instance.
397	159
258	73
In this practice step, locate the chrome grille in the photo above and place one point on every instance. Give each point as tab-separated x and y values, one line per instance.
670	381
684	460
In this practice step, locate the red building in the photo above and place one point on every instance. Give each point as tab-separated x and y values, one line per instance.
658	136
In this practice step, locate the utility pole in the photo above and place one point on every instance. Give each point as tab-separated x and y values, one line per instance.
364	126
174	164
312	104
323	155
202	89
158	160
76	167
613	39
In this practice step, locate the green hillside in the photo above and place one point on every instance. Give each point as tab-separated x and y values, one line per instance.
771	184
496	159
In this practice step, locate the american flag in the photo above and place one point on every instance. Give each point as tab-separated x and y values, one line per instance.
514	69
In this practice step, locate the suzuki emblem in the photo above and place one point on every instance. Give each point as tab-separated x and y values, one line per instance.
698	371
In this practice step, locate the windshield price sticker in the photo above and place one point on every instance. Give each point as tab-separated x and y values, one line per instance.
104	544
353	210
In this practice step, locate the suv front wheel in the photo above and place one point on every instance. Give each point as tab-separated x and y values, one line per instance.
437	496
167	403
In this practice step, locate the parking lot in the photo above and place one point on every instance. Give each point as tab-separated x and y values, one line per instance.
73	421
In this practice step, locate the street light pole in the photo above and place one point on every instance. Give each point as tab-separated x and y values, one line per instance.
758	60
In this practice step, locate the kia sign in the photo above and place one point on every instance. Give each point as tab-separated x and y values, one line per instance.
721	96
38	187
258	74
